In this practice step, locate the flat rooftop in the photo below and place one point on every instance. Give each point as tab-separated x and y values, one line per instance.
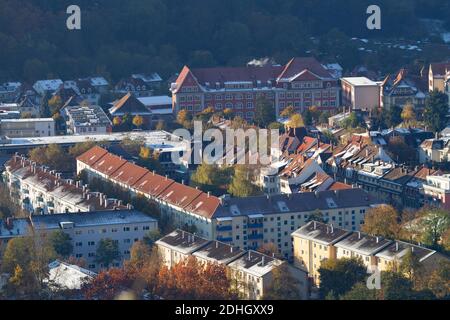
157	140
360	81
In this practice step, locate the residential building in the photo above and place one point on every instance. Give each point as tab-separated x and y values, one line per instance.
360	93
437	191
247	223
298	172
160	107
65	276
130	105
435	150
437	76
314	243
9	115
86	230
43	87
9	91
139	85
251	272
400	90
363	246
42	191
29	127
301	83
86	119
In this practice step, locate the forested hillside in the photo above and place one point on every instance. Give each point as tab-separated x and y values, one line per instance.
119	37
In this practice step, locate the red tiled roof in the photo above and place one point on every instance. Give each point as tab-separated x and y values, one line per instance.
339	186
306	144
179	194
204	205
92	155
224	74
129	173
109	164
297	65
152	184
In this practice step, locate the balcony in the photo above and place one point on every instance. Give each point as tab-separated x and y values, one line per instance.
255	236
224	228
254	225
227	239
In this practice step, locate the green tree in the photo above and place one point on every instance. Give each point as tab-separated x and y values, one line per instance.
284	286
433	223
296	121
62	243
395	286
394	116
151	237
107	252
360	292
436	111
241	185
264	112
340	275
382	221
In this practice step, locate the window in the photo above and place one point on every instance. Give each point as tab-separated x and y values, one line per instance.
126	228
78	244
91	243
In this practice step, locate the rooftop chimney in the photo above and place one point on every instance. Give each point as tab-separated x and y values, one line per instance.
332	229
359	235
217	244
315	225
231	249
262	262
396	246
249	256
378	239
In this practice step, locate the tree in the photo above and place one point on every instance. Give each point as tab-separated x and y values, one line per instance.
138	121
382	221
393	116
151	237
316	215
55	103
241	185
107	252
395	286
228	113
184	118
53	156
400	151
80	148
360	292
140	253
352	121
436	111
296	121
210	177
307	117
287	112
189	279
340	275
269	249
439	282
117	121
62	243
109	284
408	115
433	223
412	267
264	112
284	286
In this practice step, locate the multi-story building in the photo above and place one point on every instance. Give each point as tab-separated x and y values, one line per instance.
313	243
139	85
317	242
360	93
42	87
251	272
41	191
130	105
363	246
247	223
301	83
437	76
9	91
437	191
84	119
87	229
435	150
400	90
25	128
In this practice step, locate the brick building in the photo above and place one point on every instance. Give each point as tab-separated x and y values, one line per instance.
301	83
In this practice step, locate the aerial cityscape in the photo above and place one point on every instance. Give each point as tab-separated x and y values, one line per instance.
224	150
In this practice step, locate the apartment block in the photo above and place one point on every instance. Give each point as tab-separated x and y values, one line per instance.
40	190
360	93
314	243
20	128
301	83
251	272
125	227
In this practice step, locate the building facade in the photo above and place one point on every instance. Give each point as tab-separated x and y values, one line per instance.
360	93
301	83
22	128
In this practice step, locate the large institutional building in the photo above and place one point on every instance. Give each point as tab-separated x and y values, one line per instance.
247	223
301	83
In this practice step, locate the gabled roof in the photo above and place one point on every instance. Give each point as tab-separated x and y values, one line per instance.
297	66
92	155
129	174
204	205
439	68
109	164
180	195
129	104
152	184
321	232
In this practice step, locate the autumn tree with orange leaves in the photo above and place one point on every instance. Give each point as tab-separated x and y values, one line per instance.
190	279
